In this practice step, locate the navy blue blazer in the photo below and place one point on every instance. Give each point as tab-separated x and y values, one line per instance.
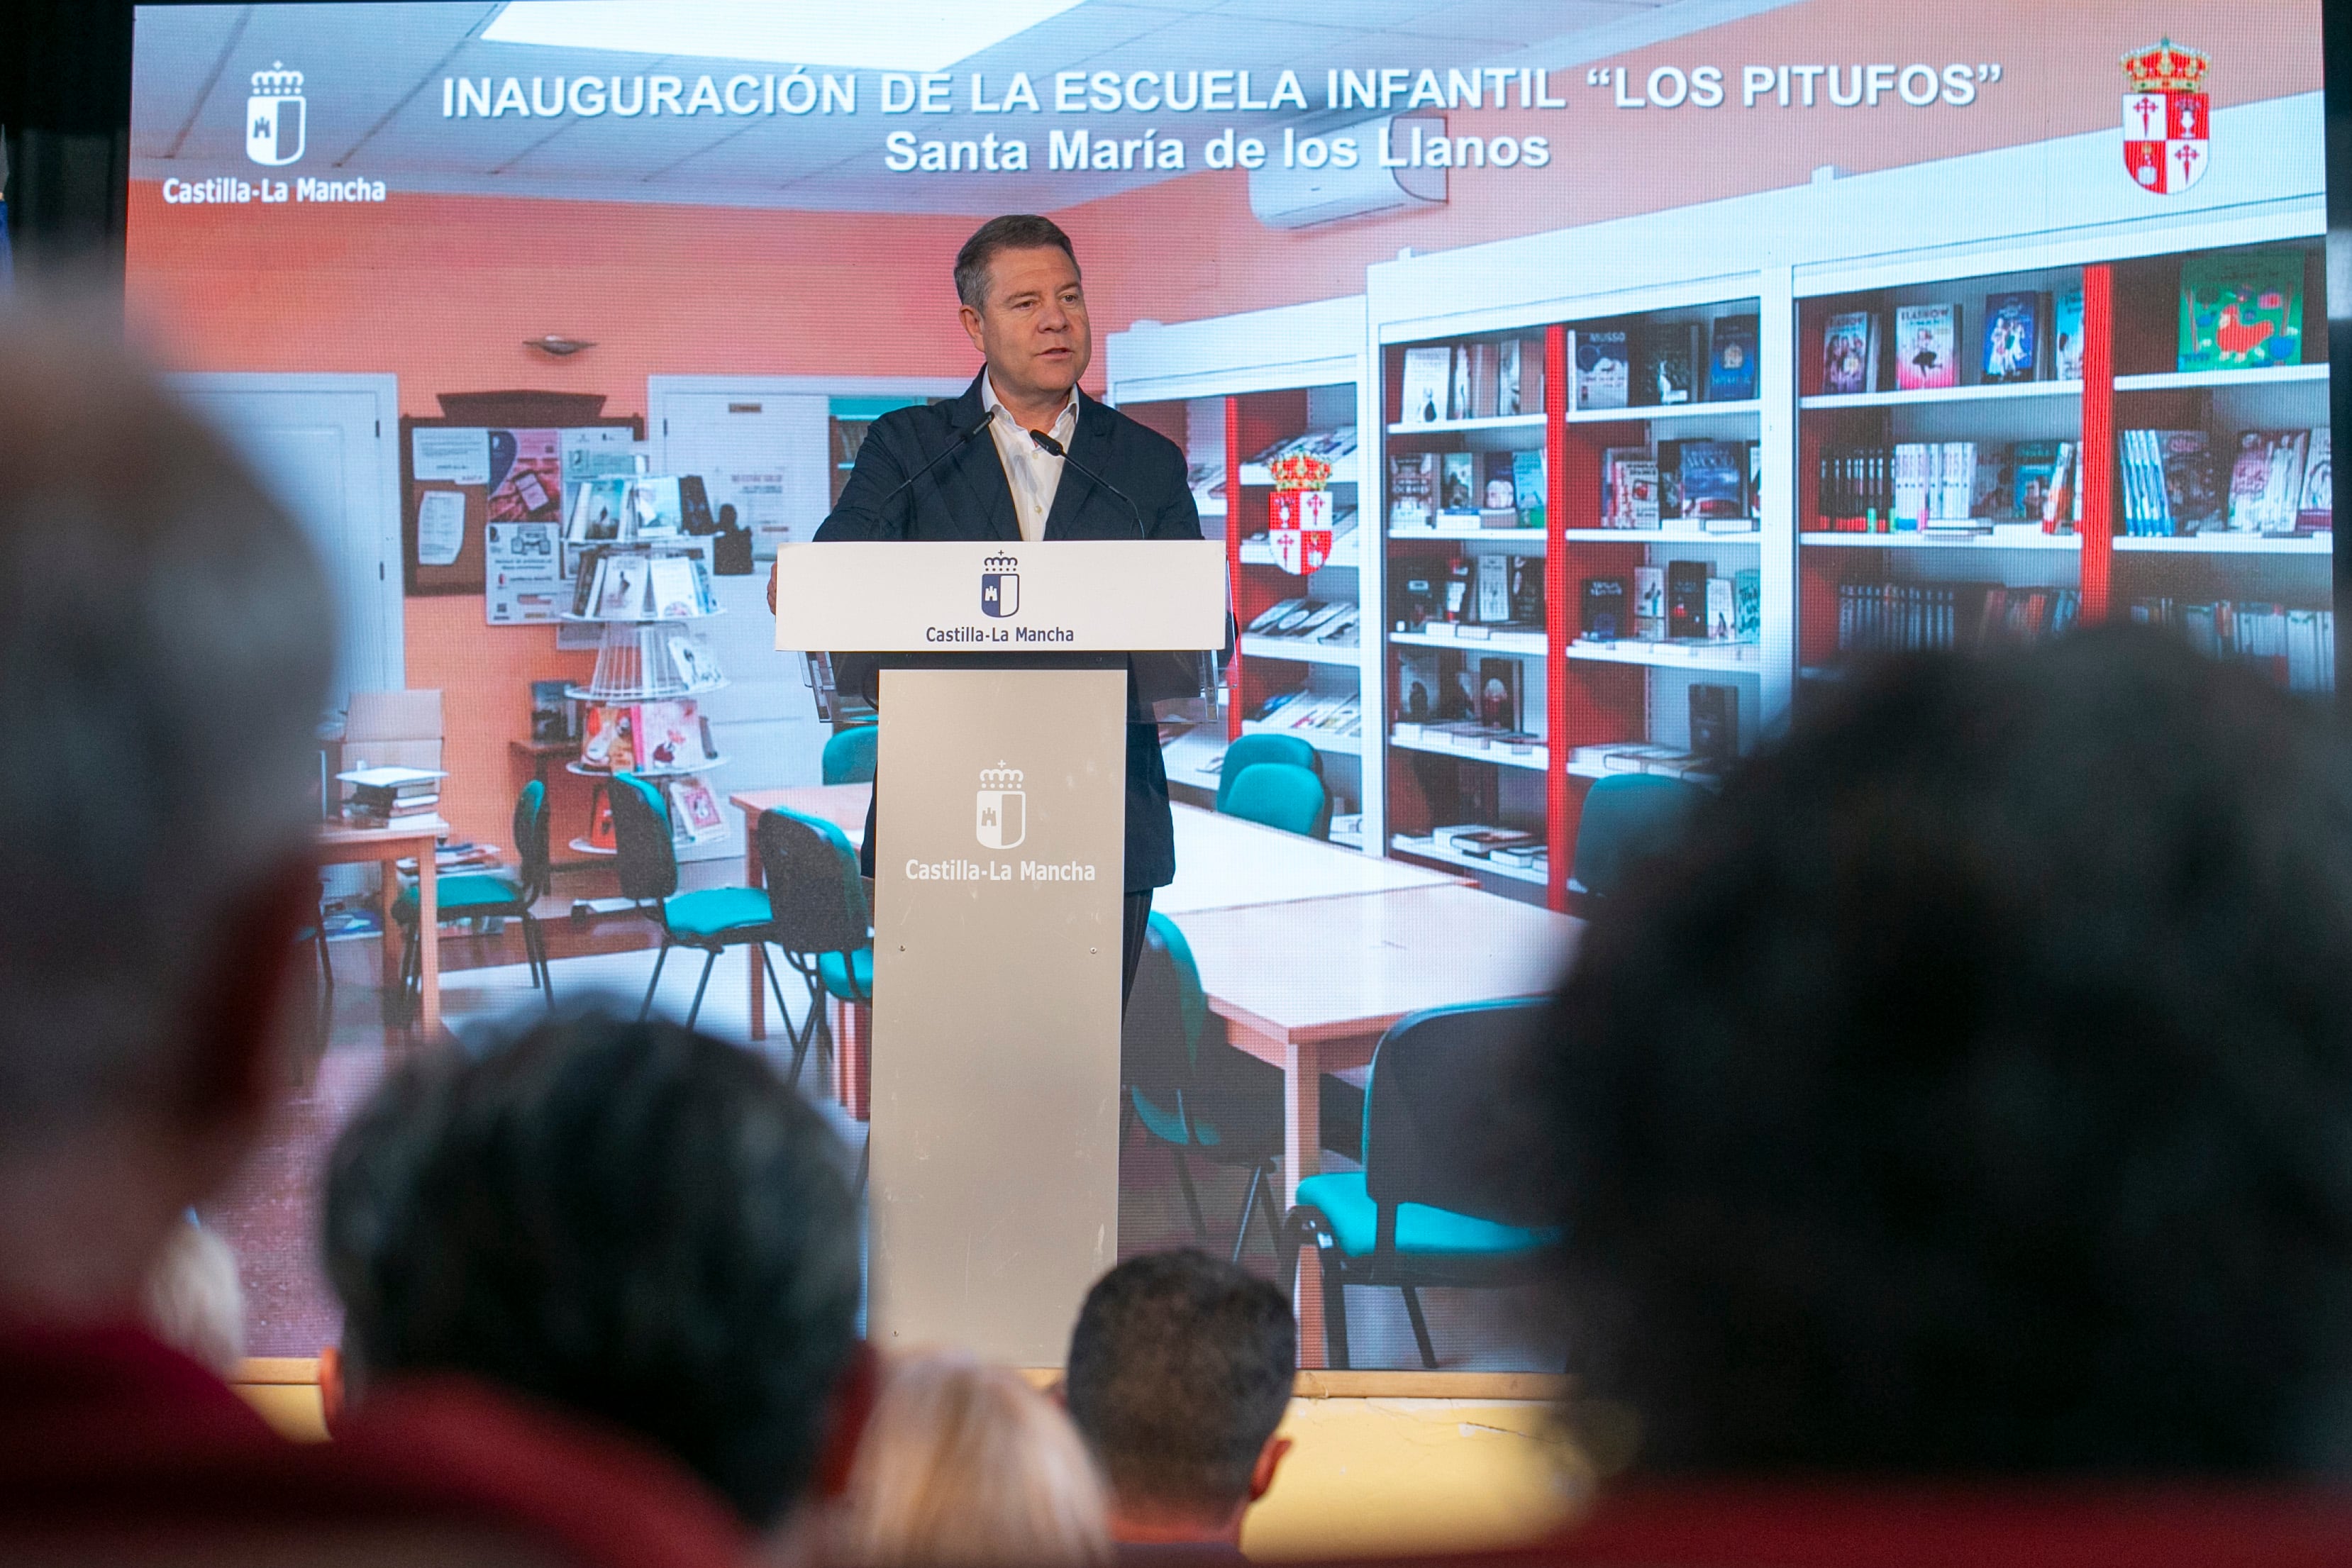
968	498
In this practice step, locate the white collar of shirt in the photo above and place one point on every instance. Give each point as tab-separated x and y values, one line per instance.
1034	474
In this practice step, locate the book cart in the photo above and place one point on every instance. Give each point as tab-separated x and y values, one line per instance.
1237	392
644	656
1795	257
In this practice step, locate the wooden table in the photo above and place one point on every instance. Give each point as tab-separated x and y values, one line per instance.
1222	862
340	845
1310	988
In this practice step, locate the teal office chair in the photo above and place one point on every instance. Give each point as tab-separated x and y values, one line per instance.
1281	795
484	894
1192	1090
1628	817
711	919
849	755
822	923
1248	750
1428	1208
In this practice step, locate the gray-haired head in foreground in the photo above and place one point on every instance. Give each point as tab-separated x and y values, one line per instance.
165	641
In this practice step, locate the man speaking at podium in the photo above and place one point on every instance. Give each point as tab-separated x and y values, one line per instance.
1025	454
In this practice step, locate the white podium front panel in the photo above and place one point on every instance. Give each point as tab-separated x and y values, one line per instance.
999	863
1062	596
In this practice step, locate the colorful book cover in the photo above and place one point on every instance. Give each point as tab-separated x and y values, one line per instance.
2191	483
1500	492
2012	336
1714	479
1731	359
2032	464
1528	491
1686	598
1722	611
2317	509
669	735
1602	367
2066	334
622	595
694	811
1637	494
1748	604
1601	610
1458	484
676	594
1413	489
1427	373
1650	603
1499	693
2241	311
1847	353
1670	362
1926	345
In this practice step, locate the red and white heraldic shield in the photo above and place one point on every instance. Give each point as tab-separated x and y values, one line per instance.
2167	117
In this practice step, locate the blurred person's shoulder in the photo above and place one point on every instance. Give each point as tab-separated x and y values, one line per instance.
112	1443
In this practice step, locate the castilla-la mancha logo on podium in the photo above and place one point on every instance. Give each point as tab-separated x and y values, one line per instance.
1000	587
1001	819
274	116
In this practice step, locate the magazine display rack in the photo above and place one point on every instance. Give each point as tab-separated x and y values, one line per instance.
647	584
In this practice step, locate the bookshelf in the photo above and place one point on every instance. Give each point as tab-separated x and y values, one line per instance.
1794	255
1235	391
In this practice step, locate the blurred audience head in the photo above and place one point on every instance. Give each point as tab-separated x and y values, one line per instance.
628	1221
966	1466
1973	1092
1179	1371
195	1300
165	641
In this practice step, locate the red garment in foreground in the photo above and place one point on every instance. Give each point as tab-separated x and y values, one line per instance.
108	1438
2191	1524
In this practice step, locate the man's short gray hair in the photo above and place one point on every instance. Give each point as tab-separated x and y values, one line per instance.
166	640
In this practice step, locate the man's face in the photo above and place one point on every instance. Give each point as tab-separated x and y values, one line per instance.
1031	325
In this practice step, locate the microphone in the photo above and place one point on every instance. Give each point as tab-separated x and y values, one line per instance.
1056	448
950	450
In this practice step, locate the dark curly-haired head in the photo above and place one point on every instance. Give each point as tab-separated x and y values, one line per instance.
629	1220
1973	1091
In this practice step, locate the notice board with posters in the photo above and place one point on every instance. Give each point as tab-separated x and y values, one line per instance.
494	457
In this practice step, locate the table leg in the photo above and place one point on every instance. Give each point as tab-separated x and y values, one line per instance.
428	939
754	875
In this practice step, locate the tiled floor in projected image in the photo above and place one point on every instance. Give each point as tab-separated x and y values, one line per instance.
271	1215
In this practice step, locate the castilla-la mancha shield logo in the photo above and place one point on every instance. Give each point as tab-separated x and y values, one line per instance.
2167	129
1001	817
1000	586
274	116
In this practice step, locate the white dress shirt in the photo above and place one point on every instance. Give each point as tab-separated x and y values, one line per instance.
1033	473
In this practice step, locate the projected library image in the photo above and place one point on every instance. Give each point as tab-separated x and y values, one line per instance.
1575	393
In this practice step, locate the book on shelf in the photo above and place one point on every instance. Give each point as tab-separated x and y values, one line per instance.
1486	379
395	780
1335	447
694	814
2058	499
1492	590
2016	337
2241	310
1413	595
697	664
1849	352
2292	646
2171	484
1731	359
1519	377
1527	590
1714	479
1419	695
1722	613
1686	600
1853	489
1648	612
1413	489
1669	456
1634	500
1458	401
1715	720
676	594
1427	384
2066	333
2032	466
1926	347
1457	486
1528	486
1601	610
1499	693
2266	480
1601	368
1905	617
1499	500
1483	842
2316	509
1457	589
1748	604
623	589
1669	362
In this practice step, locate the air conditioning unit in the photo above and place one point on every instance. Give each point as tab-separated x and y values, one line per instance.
1298	197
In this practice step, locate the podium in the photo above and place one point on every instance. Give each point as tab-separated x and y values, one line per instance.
999	814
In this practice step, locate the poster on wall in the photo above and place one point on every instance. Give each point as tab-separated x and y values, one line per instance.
523	563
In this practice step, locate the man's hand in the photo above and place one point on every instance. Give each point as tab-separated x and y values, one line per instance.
771	590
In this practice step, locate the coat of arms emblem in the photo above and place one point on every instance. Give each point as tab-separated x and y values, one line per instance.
274	116
998	820
2168	129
